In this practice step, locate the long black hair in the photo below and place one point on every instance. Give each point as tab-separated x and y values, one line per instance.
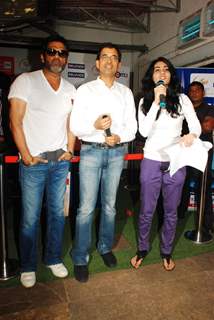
174	89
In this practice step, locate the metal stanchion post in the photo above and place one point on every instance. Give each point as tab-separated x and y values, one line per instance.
8	267
199	236
131	185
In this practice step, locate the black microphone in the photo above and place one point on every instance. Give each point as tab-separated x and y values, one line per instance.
162	96
107	131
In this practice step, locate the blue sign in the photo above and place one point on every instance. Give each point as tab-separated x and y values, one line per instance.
204	75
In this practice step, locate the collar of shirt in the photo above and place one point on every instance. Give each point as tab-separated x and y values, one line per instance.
103	83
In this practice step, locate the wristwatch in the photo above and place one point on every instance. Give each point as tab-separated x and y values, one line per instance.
71	153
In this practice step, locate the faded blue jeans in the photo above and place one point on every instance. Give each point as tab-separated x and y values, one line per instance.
34	180
102	168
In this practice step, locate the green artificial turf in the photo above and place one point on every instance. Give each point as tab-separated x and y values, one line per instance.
126	227
183	248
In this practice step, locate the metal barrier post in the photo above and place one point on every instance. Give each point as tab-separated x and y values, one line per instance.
199	236
8	267
131	185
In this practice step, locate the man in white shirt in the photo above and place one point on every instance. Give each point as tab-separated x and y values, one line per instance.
104	120
41	103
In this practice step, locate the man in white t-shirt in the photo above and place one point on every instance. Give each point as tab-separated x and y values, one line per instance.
40	107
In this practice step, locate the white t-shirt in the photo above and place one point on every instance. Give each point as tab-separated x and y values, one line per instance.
94	99
166	130
47	110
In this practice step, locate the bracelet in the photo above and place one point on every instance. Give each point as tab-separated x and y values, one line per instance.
71	153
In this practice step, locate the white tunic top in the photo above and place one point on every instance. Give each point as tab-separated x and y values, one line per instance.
47	110
166	130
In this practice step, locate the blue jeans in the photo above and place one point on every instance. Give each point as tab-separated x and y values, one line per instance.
98	168
34	180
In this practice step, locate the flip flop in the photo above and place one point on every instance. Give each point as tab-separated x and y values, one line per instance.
137	260
168	263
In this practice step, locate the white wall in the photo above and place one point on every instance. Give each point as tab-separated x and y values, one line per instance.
162	41
94	35
26	60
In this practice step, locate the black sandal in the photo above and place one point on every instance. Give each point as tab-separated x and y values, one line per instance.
140	255
167	260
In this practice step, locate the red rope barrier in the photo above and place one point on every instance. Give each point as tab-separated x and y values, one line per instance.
133	156
129	156
11	159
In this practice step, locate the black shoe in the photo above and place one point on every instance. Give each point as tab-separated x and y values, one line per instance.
109	259
81	273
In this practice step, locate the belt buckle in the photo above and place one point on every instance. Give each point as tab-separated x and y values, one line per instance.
42	155
52	155
104	145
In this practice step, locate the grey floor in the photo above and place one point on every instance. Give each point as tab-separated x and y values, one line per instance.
149	293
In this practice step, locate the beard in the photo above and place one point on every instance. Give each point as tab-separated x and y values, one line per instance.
55	66
56	69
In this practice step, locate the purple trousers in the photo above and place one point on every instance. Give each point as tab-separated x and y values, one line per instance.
155	177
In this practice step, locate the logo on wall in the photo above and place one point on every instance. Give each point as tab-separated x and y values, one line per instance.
7	65
24	65
77	66
121	75
76	70
79	73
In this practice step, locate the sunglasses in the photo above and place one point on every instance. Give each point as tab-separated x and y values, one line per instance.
53	52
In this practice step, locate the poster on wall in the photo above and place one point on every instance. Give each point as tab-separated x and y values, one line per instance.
123	75
79	73
203	75
76	73
7	65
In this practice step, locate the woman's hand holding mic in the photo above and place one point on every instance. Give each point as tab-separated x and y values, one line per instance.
160	93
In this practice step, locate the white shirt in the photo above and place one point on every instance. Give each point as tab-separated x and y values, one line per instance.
47	110
166	130
94	99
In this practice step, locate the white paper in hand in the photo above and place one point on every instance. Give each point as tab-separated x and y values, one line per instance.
194	156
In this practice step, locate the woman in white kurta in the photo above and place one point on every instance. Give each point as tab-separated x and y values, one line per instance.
161	114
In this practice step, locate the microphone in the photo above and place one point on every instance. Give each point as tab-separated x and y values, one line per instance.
107	131
162	96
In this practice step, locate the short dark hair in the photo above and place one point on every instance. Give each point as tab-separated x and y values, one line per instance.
196	83
110	46
52	38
